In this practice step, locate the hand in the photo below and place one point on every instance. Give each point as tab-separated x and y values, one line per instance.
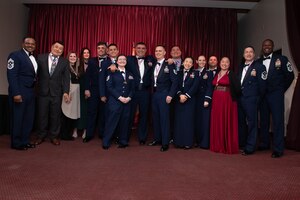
127	99
182	98
205	104
18	99
112	68
103	99
168	99
122	99
87	94
170	61
67	98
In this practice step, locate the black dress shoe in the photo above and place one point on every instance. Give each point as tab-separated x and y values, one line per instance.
122	146
276	154
29	145
142	142
153	143
86	139
186	147
105	147
246	152
20	148
164	148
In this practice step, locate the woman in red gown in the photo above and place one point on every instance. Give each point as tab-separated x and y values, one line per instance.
224	115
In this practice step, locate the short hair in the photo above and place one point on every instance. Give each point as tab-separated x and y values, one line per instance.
112	44
26	37
59	42
140	43
160	45
120	56
249	46
190	58
269	41
101	43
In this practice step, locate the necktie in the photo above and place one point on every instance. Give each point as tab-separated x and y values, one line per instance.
246	66
184	76
123	74
53	65
100	61
265	58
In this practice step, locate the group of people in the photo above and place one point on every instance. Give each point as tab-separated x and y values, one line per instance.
192	104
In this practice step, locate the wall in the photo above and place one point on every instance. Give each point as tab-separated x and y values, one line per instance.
267	20
13	23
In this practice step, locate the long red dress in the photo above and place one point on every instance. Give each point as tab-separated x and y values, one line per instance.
224	119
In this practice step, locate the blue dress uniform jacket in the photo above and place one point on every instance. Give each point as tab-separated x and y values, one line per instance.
202	119
252	90
95	107
279	78
141	98
166	85
21	79
119	112
185	112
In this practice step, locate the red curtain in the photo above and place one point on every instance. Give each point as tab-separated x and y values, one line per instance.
293	30
207	31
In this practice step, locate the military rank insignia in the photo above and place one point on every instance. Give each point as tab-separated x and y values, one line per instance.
278	64
192	75
10	63
253	72
289	67
166	69
264	75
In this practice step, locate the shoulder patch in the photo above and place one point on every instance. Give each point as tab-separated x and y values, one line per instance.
10	63
289	67
264	75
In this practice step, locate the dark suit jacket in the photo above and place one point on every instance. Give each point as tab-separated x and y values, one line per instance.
58	83
167	79
20	73
205	88
280	74
254	83
133	67
191	83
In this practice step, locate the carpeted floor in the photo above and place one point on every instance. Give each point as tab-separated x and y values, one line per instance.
75	170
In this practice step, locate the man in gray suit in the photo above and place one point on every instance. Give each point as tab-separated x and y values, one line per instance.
53	85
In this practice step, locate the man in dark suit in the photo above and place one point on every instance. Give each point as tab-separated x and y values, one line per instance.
21	76
140	66
164	85
279	78
53	84
253	77
95	104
